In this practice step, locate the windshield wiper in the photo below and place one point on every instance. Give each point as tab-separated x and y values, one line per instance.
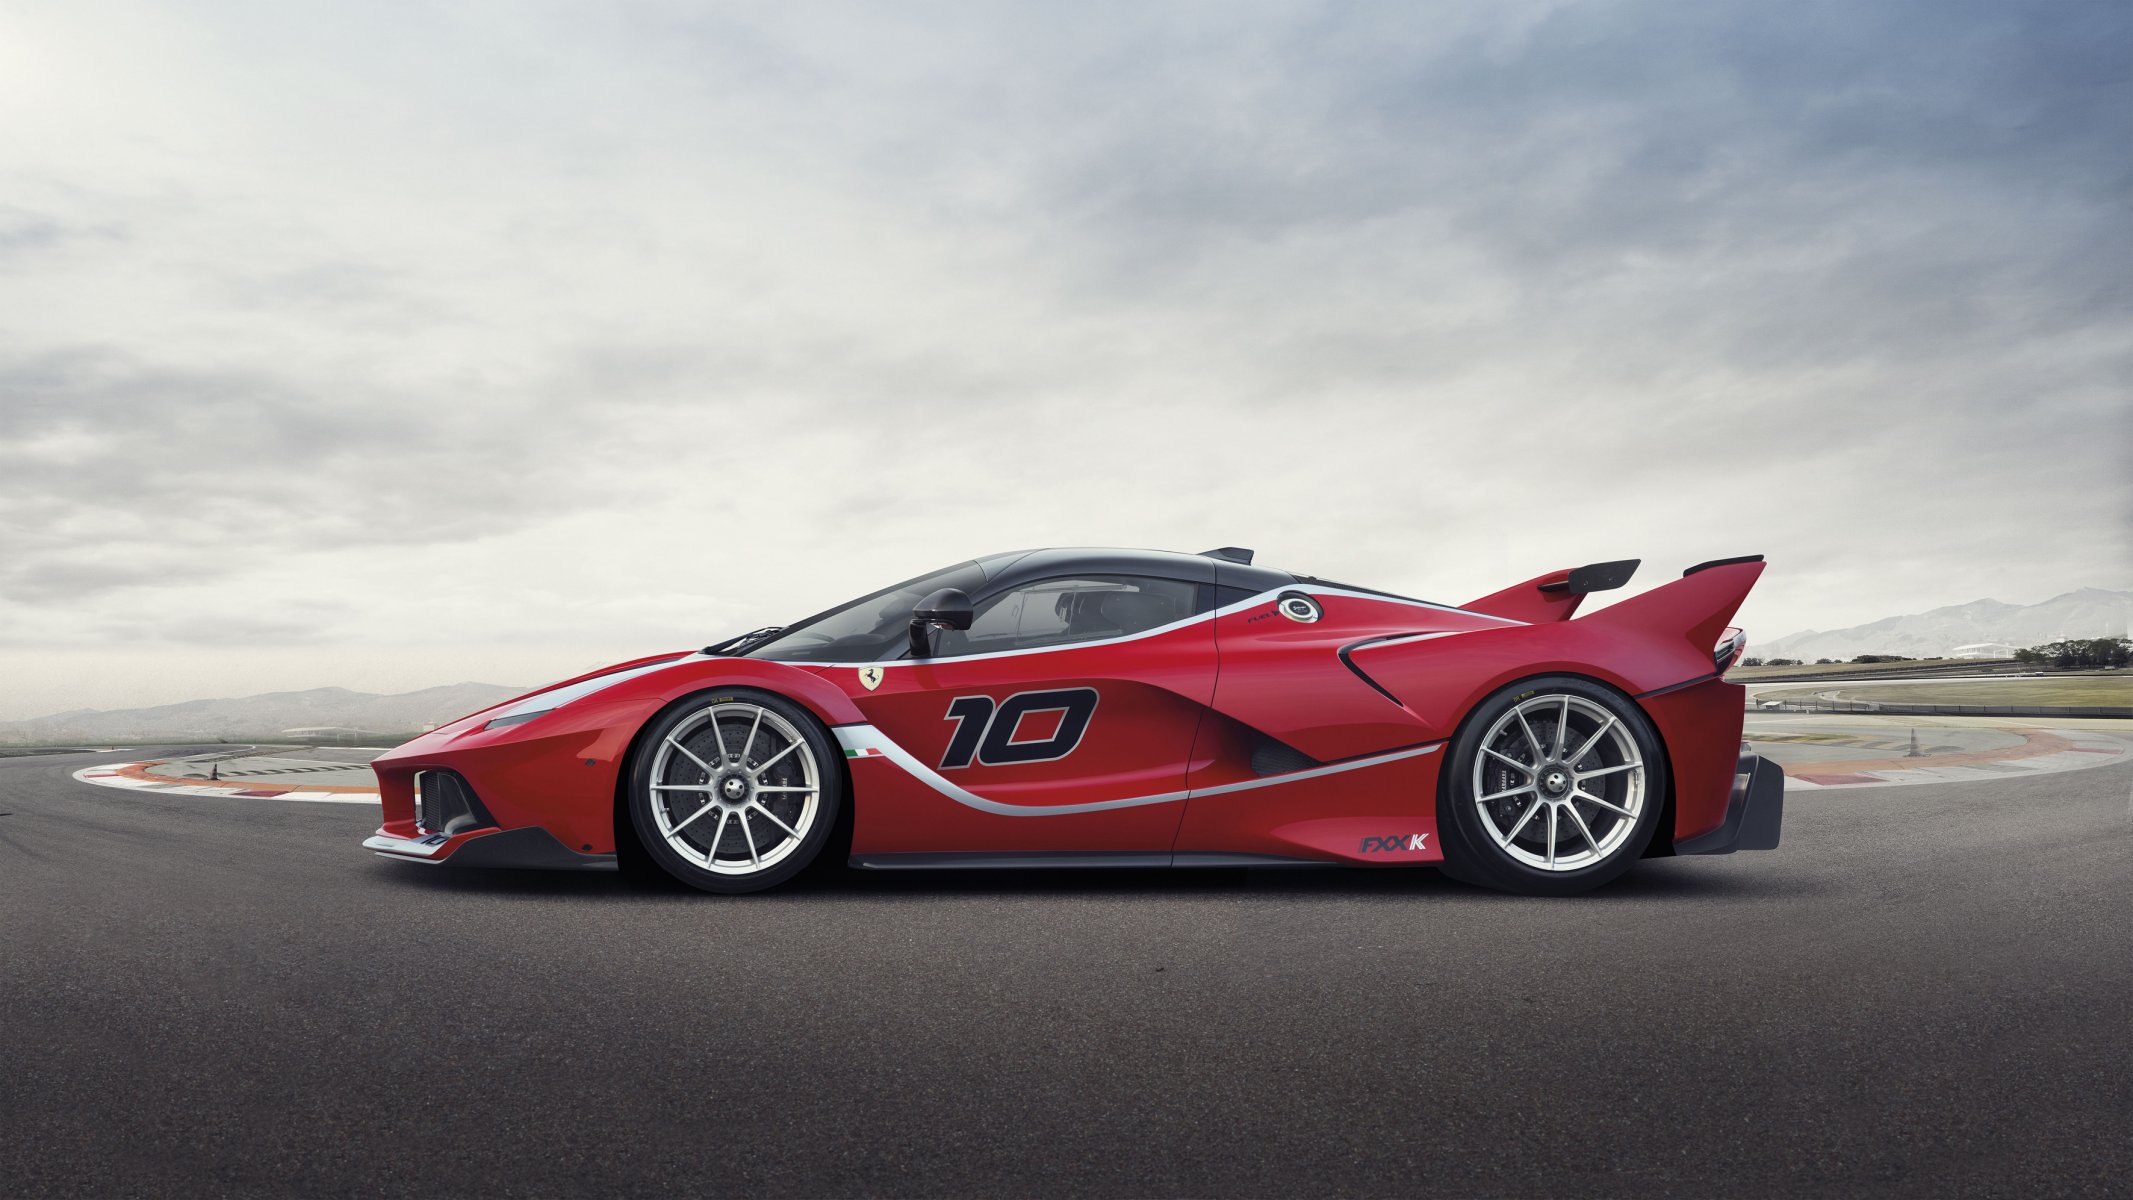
735	645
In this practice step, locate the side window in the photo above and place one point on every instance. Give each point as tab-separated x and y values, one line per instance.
1060	612
1214	596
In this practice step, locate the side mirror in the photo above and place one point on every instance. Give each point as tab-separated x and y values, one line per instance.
948	608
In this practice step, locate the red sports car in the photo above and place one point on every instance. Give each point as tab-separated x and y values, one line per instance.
1113	708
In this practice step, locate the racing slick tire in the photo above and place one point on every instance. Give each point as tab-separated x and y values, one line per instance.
1553	786
735	790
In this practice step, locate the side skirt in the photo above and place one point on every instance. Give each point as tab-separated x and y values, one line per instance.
1085	859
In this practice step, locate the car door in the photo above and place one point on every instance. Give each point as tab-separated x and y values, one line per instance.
1061	720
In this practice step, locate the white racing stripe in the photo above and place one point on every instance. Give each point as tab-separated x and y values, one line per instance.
865	741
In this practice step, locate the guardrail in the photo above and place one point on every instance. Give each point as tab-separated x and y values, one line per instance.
1817	705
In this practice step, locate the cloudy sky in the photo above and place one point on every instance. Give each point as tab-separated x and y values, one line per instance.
391	345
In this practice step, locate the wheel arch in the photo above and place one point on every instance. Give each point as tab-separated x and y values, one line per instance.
1662	844
629	849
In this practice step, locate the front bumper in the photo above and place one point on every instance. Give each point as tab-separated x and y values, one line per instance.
532	848
1753	814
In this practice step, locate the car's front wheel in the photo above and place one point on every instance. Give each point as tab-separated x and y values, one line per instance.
1553	786
735	791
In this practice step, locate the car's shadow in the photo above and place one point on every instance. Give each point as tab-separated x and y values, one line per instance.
1656	880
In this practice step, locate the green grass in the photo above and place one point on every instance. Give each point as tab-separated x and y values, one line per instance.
2066	691
2077	691
1763	674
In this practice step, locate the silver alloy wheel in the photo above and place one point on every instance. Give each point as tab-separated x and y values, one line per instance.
735	788
1559	782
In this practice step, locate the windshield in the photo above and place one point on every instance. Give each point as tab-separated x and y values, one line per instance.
870	629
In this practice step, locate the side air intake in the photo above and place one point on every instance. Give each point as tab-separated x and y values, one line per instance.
445	804
1272	757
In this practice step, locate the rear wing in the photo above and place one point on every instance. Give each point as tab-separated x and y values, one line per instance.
1556	595
1698	605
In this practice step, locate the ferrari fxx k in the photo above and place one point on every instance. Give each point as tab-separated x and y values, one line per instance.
1114	708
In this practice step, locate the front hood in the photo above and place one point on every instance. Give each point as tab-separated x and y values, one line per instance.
577	687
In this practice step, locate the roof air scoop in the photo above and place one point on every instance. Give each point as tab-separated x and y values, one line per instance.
1235	554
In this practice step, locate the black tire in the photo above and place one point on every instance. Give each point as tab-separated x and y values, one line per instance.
714	863
1604	841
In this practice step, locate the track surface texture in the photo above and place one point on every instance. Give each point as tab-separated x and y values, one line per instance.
1928	992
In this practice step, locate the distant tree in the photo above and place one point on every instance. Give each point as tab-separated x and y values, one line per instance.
2110	652
1783	662
1751	662
1823	662
2067	653
1880	658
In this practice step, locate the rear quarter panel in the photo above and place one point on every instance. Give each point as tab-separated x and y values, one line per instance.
1286	678
1441	680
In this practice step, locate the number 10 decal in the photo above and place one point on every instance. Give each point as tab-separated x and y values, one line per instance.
986	731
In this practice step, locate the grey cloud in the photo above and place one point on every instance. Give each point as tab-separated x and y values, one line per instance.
1432	298
223	629
24	232
58	579
1863	182
148	472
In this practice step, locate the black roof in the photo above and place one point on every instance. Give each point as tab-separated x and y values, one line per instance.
1026	566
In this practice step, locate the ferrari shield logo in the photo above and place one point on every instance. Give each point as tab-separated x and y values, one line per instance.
870	677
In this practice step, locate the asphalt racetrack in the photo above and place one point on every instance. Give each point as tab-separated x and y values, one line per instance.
1928	991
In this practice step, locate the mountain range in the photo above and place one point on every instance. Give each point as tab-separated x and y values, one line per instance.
2088	613
263	715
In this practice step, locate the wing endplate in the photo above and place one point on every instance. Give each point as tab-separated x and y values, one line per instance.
1696	606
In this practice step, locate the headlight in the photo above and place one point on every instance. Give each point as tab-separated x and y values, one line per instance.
517	718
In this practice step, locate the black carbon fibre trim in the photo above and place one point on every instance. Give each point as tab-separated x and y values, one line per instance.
1595	577
1349	663
1072	859
1755	813
982	861
1214	858
531	848
1675	687
1722	562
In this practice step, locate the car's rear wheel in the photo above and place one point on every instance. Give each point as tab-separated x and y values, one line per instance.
735	791
1554	786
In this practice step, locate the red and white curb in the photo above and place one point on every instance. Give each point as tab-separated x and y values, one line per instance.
2043	752
135	777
